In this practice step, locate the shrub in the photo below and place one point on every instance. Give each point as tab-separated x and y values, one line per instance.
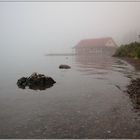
129	50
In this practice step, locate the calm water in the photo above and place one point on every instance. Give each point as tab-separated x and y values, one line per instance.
87	101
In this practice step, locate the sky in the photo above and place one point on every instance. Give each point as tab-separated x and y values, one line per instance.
55	27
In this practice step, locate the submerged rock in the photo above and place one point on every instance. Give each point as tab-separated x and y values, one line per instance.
36	81
64	67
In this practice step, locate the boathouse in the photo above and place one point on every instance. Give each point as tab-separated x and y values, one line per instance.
96	46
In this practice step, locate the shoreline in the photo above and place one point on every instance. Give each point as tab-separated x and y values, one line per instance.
134	62
133	88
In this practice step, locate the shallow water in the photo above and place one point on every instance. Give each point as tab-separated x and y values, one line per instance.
87	101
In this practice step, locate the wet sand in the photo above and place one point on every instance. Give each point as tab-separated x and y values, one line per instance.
87	101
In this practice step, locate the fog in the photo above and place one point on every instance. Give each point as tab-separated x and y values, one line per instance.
34	28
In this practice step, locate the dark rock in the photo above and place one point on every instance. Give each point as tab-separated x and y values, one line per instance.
36	81
22	82
64	67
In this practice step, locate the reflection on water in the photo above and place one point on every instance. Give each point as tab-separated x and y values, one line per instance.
37	87
97	64
103	65
94	61
87	101
101	62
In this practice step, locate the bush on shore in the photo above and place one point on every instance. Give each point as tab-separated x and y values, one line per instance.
129	50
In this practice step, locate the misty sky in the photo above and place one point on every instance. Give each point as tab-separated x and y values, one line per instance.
49	27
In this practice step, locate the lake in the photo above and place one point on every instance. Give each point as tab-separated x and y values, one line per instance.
87	101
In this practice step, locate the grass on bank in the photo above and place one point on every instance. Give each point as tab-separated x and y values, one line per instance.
131	50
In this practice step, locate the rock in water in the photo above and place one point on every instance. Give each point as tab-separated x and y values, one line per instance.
22	82
36	81
64	67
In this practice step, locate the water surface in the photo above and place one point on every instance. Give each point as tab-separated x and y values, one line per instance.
87	101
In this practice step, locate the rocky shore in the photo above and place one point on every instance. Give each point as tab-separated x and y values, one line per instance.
133	89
